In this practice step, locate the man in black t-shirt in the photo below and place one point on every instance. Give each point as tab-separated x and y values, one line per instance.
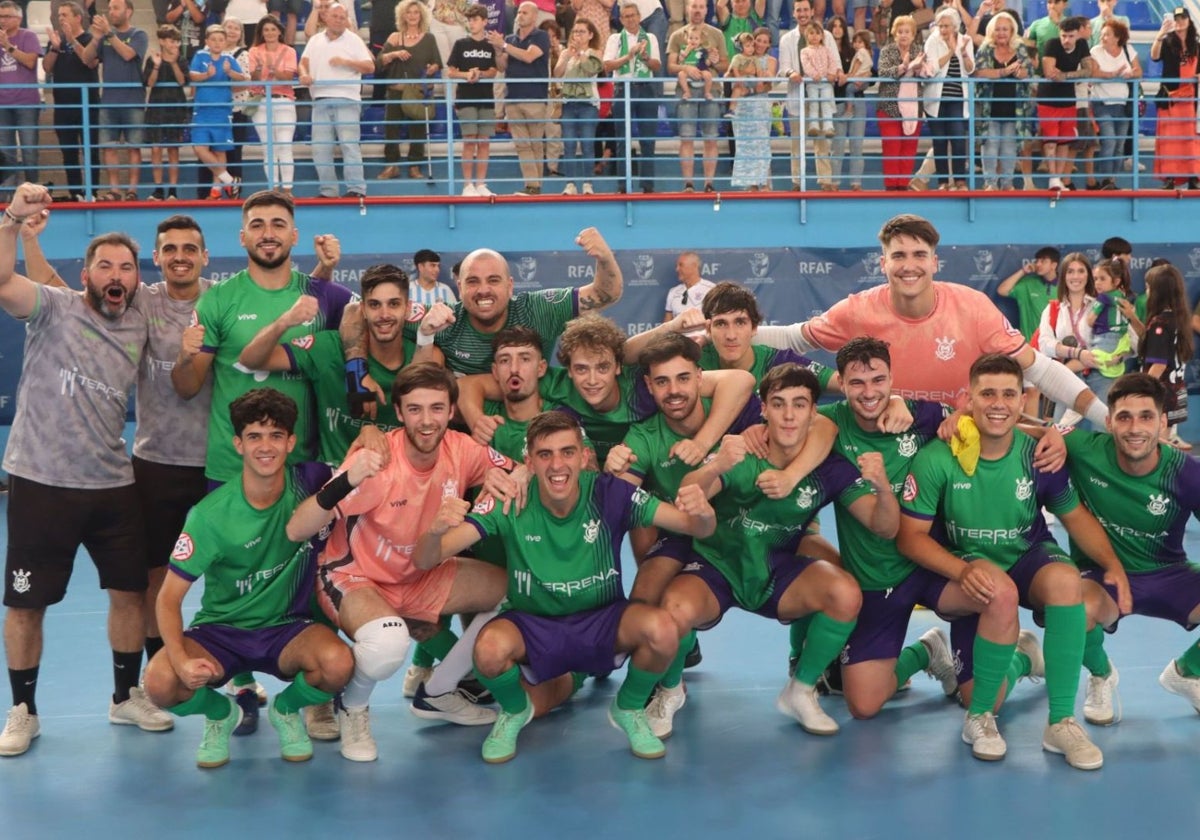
1067	58
65	61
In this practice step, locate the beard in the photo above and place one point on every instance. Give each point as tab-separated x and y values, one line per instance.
284	256
112	311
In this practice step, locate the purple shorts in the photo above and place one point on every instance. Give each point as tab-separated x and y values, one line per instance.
240	651
556	645
674	547
1172	592
1033	561
784	568
883	619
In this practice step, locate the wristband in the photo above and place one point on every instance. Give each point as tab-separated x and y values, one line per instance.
20	220
424	340
357	394
337	489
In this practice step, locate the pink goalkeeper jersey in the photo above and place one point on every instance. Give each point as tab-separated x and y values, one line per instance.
391	511
931	356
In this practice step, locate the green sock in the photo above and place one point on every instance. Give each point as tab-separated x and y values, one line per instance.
212	704
635	691
674	674
437	647
825	640
1094	657
507	690
992	661
1062	645
913	658
797	632
243	680
1019	667
1189	663
422	658
578	678
298	695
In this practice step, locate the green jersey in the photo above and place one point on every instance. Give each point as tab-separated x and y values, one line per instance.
766	358
605	428
254	576
1145	516
232	312
874	561
569	565
320	360
1032	294
509	438
751	527
995	514
546	312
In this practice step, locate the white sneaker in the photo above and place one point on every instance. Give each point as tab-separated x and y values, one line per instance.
357	742
413	677
259	692
482	191
1177	683
452	707
470	191
1056	184
981	732
19	731
321	722
1099	707
941	661
1067	738
569	189
800	701
1028	644
140	712
660	714
587	188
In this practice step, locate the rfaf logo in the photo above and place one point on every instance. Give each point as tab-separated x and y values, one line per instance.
643	270
872	269
760	267
527	268
983	261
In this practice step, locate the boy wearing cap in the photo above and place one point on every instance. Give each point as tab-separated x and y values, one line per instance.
427	290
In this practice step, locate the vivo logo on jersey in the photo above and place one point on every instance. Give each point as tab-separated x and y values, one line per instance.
248	316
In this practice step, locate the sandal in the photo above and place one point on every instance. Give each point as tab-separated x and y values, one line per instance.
131	195
109	195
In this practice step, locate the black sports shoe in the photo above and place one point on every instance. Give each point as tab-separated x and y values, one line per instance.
157	195
475	691
694	657
830	682
248	701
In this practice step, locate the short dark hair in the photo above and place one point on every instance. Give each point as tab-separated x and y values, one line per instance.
1048	253
115	237
1072	24
730	297
424	375
549	422
476	10
269	198
996	363
909	224
263	405
167	32
789	375
178	222
862	349
426	255
1115	246
382	273
670	346
518	337
1138	385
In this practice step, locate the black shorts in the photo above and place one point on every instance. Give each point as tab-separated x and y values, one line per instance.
46	526
166	493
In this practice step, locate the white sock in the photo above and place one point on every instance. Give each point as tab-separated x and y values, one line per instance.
459	660
357	693
225	178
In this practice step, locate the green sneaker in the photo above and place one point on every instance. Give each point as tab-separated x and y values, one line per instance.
633	723
214	747
293	739
501	744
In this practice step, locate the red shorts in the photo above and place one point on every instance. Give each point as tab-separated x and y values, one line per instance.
1056	123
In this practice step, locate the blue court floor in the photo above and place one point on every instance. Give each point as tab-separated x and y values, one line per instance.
734	768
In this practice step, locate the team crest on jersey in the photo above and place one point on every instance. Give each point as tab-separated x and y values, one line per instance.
805	497
910	488
184	548
449	489
906	445
496	458
1024	488
484	505
640	497
416	311
844	656
591	530
945	348
1157	505
20	582
304	342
